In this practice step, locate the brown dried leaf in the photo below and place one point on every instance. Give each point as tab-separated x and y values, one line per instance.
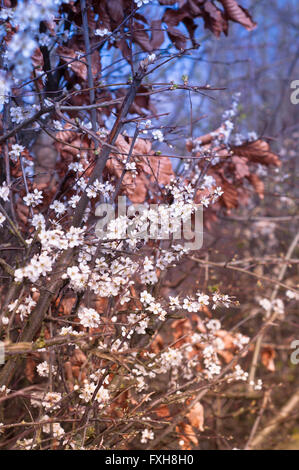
258	151
178	39
78	358
79	66
66	305
141	36
230	195
214	19
268	355
157	344
241	168
159	168
142	102
204	139
237	13
163	411
150	168
187	436
116	10
101	304
30	369
257	184
37	59
157	37
125	49
69	375
104	18
196	416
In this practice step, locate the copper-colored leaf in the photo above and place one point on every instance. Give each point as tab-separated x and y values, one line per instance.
241	168
179	39
66	305
187	436
37	59
151	169
230	195
196	416
258	151
101	304
157	344
213	18
116	10
69	375
268	356
237	13
204	140
125	49
162	411
141	36
157	34
29	369
79	66
78	357
159	168
257	184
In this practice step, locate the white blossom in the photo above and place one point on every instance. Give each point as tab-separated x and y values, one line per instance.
146	434
33	199
4	192
89	317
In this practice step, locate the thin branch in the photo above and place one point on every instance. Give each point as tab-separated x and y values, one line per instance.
259	341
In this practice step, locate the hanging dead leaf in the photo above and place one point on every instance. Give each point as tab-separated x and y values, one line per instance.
78	357
141	36
268	355
115	9
240	167
79	65
214	19
230	195
158	344
187	436
30	369
257	184
179	39
258	151
157	37
66	305
159	168
237	13
196	416
69	375
163	411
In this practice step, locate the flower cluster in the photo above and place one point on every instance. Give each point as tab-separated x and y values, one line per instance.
24	308
33	199
276	306
87	392
97	188
4	192
89	317
26	18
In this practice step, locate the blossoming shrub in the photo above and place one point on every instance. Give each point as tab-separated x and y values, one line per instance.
98	347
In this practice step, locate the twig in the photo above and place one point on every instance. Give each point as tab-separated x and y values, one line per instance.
258	419
272	425
119	183
259	341
245	271
89	64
